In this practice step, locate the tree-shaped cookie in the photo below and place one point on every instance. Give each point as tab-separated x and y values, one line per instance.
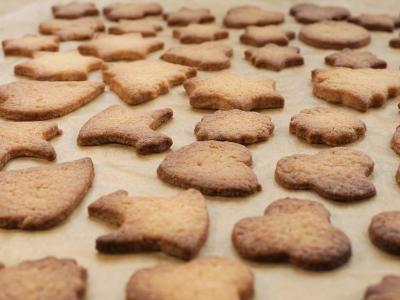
42	197
293	230
261	35
355	59
131	11
124	126
246	15
28	44
144	27
384	231
186	15
206	278
377	22
74	10
175	225
339	174
311	13
200	33
387	289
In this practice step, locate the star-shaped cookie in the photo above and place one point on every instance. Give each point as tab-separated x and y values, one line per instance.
200	33
246	15
274	57
58	66
144	27
260	36
74	10
26	45
378	22
128	127
229	90
185	16
132	11
355	59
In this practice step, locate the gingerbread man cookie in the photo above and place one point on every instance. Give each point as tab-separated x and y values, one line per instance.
28	44
246	15
260	36
131	11
355	59
74	10
199	33
185	16
310	13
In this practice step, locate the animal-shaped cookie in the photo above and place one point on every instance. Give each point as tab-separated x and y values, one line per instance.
356	88
212	167
199	33
46	278
58	66
129	46
131	11
311	13
229	91
395	142
206	278
339	174
293	230
246	15
144	27
42	100
128	127
259	36
208	56
322	125
175	225
377	22
74	10
384	231
143	80
355	59
387	289
185	16
42	197
28	44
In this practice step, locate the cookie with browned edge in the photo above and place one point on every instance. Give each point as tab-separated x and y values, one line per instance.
387	289
185	16
259	36
377	22
310	13
355	59
246	15
131	11
199	33
74	10
384	231
395	142
28	44
144	27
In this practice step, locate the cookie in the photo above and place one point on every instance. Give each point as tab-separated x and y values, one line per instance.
235	126
144	27
377	22
141	81
129	46
185	16
124	126
43	100
229	91
395	142
274	57
131	11
355	59
387	289
208	56
26	45
334	35
206	278
72	30
398	176
293	230
74	10
310	13
46	278
142	223
42	197
214	168
384	231
356	88
246	15
58	66
322	125
395	42
199	33
339	174
260	36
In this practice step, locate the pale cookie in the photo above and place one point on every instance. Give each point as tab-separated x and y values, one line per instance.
229	91
176	225
208	56
72	30
199	33
356	88
395	142
74	10
322	125
131	11
144	27
260	36
206	278
274	57
128	127
246	15
26	45
42	197
185	16
141	81
129	46
384	231
334	35
339	174
310	13
46	278
378	22
296	231
236	126
214	168
58	66
355	59
387	289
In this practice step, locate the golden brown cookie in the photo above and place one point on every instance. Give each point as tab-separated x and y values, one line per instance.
260	36
293	230
185	16
206	278
310	13
384	231
214	168
235	126
355	59
387	289
208	56
144	27
395	42
46	278
43	100
131	11
74	10
274	57
26	45
334	35
377	22
356	88
395	142
176	225
120	125
322	125
58	66
141	81
229	91
246	15
129	46
42	197
339	174
199	33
